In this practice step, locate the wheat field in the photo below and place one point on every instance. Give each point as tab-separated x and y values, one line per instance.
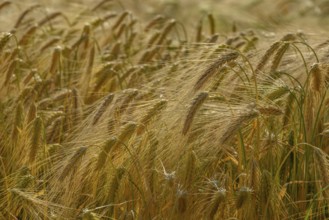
164	109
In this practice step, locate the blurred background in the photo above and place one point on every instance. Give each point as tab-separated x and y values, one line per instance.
267	15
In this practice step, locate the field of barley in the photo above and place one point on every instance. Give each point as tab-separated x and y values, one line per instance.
164	109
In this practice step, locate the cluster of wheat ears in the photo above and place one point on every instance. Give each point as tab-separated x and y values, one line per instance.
104	116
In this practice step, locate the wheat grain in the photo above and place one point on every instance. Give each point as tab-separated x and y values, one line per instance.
37	138
278	56
102	156
125	103
129	71
24	14
130	40
150	161
166	30
213	39
265	58
181	201
5	4
190	169
288	37
235	124
195	105
25	182
218	198
18	121
120	19
322	165
58	96
28	36
55	60
89	68
88	215
278	93
111	124
211	20
288	109
29	76
243	196
79	153
213	68
156	109
144	56
265	187
32	112
86	35
114	187
115	51
49	44
317	80
102	108
198	37
156	20
99	21
254	174
11	71
4	40
54	131
122	28
127	131
50	17
100	5
270	110
50	117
